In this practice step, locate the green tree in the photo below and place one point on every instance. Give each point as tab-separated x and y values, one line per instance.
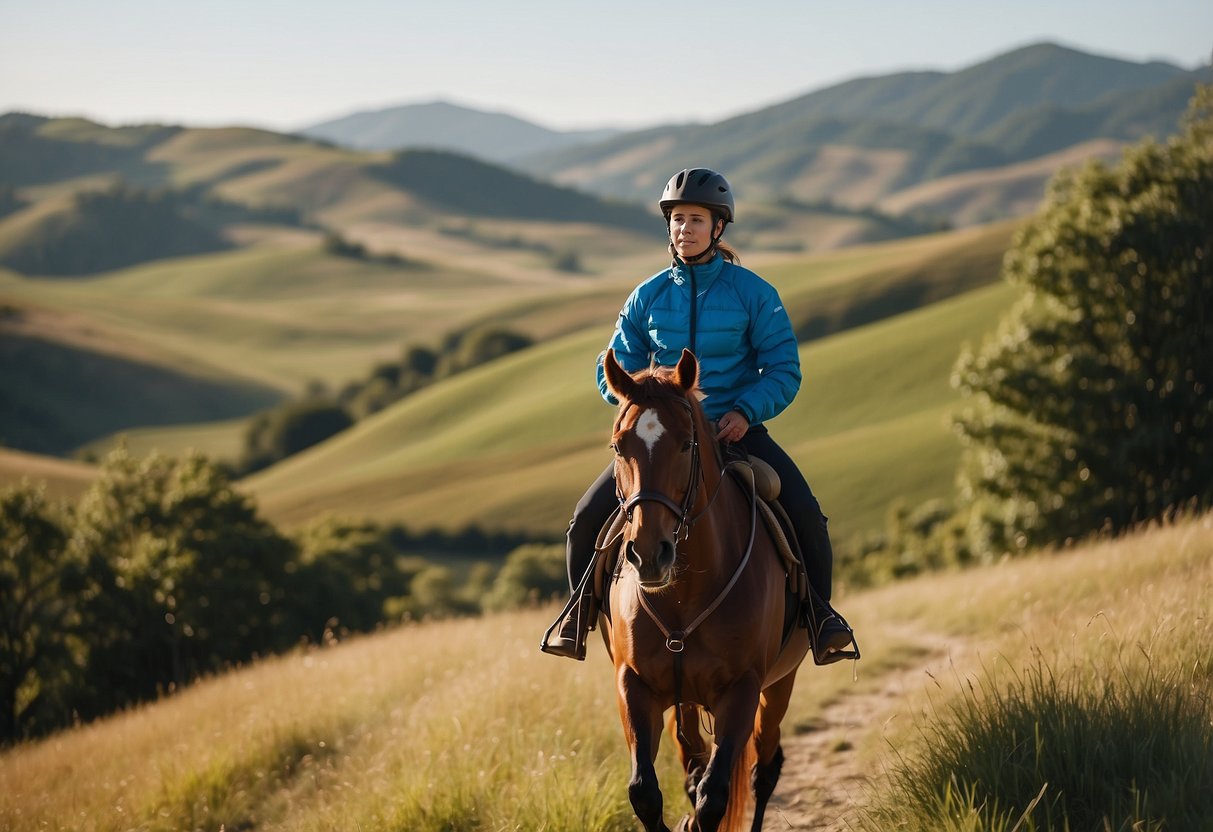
183	577
1092	406
39	592
346	572
531	573
289	429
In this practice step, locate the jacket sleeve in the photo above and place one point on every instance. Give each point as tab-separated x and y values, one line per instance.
777	355
630	341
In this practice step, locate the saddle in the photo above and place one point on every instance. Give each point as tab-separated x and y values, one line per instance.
756	477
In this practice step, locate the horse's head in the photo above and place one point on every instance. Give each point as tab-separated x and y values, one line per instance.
657	436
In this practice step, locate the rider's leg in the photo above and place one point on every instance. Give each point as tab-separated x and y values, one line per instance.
591	513
831	633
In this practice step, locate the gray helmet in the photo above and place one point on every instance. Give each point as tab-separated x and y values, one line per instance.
698	186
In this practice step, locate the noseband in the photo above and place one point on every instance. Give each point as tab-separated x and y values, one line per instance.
681	511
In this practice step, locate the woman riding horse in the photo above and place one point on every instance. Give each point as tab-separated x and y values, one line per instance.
735	324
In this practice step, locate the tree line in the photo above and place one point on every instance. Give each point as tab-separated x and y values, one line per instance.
163	572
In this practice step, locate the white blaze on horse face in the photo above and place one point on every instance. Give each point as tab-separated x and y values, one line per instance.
650	429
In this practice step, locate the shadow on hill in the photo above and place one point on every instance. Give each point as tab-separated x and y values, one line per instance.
29	158
118	227
465	185
56	398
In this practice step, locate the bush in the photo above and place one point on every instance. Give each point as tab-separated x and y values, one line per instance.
531	574
40	583
182	576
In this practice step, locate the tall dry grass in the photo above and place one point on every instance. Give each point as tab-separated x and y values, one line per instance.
465	725
1092	710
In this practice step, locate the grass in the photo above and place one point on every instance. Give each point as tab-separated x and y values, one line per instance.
1093	695
465	725
513	444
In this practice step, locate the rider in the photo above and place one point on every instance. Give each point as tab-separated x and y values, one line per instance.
749	369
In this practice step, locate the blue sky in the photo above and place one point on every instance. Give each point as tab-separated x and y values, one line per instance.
624	63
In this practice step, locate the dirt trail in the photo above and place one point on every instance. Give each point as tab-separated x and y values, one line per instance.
823	785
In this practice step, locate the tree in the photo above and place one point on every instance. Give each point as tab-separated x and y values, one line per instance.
1092	406
183	577
39	591
347	570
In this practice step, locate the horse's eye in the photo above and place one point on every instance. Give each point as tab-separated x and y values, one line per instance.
686	446
615	448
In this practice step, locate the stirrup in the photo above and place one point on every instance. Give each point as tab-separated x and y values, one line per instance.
567	634
829	632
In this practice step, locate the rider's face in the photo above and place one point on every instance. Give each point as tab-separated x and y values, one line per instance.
691	230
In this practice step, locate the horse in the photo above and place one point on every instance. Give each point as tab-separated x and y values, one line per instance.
699	612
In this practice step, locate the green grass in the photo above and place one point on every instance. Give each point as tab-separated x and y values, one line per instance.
513	444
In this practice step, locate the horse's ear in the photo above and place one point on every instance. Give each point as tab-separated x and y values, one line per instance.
618	381
687	371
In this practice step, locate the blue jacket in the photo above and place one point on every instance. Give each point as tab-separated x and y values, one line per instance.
748	357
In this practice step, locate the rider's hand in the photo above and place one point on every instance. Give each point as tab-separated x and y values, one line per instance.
732	426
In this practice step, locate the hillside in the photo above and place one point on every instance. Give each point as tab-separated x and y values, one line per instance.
513	444
51	170
862	142
464	724
56	398
494	137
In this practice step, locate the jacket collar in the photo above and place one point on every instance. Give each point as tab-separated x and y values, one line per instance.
705	273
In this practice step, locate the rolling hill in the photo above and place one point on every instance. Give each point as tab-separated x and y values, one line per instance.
863	142
511	445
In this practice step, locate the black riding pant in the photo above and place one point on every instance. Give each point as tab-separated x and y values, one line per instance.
795	496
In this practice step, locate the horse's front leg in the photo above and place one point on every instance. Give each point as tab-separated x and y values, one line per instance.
725	787
641	716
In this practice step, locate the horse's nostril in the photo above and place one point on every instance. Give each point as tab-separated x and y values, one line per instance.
666	557
629	552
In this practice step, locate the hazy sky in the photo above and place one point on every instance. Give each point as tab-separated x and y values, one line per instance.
625	63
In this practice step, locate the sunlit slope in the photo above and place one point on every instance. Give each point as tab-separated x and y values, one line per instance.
465	724
280	314
513	444
63	479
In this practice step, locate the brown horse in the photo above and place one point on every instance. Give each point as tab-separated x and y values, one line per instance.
697	610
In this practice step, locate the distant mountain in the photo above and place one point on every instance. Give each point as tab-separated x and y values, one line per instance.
864	140
495	137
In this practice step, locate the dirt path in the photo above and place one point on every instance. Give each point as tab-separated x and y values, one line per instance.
823	785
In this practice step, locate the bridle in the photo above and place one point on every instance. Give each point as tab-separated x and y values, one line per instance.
695	478
676	639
